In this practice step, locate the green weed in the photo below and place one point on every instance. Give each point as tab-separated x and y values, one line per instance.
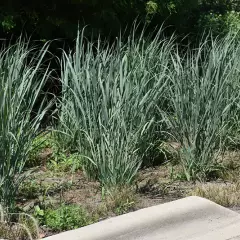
66	217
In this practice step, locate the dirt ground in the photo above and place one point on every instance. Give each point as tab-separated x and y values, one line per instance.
155	185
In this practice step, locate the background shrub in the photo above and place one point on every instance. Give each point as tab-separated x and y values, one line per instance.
45	20
221	23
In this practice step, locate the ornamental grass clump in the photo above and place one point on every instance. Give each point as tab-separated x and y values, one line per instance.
204	97
108	101
21	81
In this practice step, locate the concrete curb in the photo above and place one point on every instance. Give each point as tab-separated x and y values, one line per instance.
188	218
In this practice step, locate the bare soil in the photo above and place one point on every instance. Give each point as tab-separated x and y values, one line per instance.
153	186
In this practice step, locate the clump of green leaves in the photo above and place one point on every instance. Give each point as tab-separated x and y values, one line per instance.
21	82
108	101
40	143
65	162
8	23
66	217
220	23
204	96
30	189
46	150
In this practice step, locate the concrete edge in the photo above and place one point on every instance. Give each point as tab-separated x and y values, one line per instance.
191	208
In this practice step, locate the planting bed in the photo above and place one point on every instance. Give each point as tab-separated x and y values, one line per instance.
87	153
48	189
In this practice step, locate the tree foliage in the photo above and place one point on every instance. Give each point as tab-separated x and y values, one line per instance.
49	19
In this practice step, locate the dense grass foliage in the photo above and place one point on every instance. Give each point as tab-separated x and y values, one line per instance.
117	98
21	81
109	99
204	97
112	93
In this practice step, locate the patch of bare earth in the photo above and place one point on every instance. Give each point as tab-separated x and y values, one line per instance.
153	186
156	187
84	192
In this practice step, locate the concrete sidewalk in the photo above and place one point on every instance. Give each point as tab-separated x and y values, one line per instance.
191	218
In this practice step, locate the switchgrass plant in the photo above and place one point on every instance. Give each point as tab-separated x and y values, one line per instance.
21	81
108	101
204	96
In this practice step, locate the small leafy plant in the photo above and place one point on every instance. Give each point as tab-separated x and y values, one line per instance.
64	162
66	217
40	143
